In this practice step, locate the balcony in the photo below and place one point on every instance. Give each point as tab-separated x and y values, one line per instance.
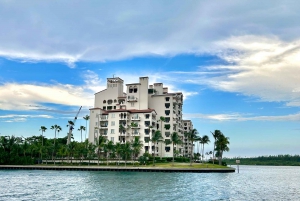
135	118
135	133
131	99
124	118
122	134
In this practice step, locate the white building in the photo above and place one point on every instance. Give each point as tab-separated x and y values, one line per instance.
120	116
187	127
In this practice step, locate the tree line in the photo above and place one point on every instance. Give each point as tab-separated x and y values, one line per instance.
274	160
34	149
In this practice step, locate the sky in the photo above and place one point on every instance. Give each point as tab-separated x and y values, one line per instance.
236	62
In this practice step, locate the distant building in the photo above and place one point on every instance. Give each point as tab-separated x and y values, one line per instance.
121	116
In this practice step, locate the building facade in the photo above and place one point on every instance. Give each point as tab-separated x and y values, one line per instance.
140	111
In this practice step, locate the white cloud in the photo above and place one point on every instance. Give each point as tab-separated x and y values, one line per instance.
267	69
16	96
242	117
21	118
99	31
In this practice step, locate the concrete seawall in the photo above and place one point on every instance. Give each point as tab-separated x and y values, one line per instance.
118	169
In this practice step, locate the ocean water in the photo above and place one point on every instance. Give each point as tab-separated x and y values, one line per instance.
252	183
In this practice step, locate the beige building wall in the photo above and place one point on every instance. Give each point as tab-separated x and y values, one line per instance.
142	104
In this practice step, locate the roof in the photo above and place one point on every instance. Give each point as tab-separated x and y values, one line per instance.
100	91
105	112
133	84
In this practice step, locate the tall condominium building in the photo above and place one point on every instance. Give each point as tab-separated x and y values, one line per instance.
140	111
187	127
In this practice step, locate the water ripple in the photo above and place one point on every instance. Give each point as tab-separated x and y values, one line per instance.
253	183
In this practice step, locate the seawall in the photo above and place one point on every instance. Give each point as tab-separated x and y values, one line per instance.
118	169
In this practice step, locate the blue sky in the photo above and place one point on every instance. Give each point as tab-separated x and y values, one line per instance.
236	62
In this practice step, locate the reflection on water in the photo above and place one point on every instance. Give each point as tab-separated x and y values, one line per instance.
252	183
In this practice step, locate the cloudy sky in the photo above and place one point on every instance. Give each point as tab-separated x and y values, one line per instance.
236	62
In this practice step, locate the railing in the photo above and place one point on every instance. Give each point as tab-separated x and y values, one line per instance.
135	118
132	99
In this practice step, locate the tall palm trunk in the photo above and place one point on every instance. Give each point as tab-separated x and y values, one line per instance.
173	155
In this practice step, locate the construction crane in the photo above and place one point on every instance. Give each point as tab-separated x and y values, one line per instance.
71	126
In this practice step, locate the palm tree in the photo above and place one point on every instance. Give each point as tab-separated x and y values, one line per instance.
215	134
99	145
126	151
108	148
81	128
91	151
161	119
221	146
71	148
192	136
199	147
175	139
43	129
205	140
118	148
155	138
56	128
136	145
86	118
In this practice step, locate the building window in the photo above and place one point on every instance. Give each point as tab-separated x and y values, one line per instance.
167	134
167	98
167	112
135	116
167	119
109	101
112	131
135	89
112	123
130	89
104	101
147	116
167	105
146	131
115	101
104	107
146	139
167	149
114	107
112	139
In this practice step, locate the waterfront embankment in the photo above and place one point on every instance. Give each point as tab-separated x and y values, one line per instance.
117	168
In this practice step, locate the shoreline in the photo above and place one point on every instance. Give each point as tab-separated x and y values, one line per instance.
117	169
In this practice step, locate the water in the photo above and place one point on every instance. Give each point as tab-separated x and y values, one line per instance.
252	183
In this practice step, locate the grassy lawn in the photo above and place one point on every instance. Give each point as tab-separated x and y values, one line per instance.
186	165
157	165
